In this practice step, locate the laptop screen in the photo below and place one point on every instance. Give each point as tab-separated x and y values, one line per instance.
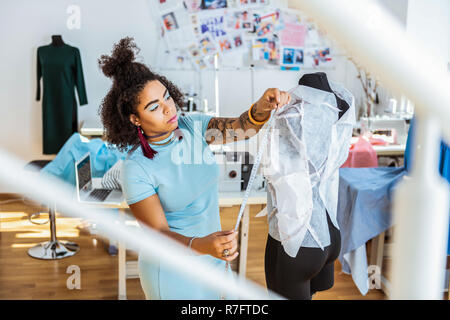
84	173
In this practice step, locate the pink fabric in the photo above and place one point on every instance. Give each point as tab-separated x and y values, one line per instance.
377	142
361	155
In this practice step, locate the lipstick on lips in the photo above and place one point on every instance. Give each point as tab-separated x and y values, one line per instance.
173	119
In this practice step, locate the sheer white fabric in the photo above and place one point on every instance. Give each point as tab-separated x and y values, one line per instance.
307	145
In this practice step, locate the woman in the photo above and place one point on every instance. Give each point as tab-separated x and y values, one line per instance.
176	196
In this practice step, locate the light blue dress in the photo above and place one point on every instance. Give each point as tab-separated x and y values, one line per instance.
185	176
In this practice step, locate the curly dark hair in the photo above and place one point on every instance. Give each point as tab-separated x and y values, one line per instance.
129	78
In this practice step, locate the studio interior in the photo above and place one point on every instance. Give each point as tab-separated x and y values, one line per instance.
225	149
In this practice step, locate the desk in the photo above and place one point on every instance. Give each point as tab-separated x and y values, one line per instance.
390	150
226	199
91	129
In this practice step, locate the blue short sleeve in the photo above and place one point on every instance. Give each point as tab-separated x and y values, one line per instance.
200	120
136	183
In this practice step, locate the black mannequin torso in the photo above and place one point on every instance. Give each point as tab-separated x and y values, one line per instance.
319	81
57	41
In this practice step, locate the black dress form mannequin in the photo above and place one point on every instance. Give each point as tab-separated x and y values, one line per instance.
312	269
319	81
59	66
57	41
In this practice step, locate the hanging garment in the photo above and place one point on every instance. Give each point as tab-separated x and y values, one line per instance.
61	70
307	145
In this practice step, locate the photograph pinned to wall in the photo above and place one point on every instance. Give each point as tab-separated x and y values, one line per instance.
260	50
194	24
318	57
213	25
209	61
199	63
238	41
240	20
273	49
233	4
266	22
179	59
194	51
313	39
293	35
292	56
250	3
290	16
193	6
177	27
266	49
170	22
272	15
207	47
213	4
225	44
265	28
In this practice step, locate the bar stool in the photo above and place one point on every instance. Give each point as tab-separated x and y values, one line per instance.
53	249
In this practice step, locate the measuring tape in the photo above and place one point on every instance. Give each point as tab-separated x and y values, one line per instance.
252	176
255	169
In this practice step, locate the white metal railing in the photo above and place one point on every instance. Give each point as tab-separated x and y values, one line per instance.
148	242
420	203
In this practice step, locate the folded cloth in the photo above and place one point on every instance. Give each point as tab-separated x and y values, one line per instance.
111	179
103	157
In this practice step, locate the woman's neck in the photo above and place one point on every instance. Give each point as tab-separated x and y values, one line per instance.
157	137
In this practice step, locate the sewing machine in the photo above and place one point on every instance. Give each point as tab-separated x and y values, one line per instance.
393	129
235	168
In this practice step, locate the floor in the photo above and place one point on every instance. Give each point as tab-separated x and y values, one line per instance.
23	277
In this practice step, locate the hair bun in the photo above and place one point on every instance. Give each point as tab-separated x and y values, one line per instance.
121	60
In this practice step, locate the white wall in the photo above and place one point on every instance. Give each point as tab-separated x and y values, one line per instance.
428	21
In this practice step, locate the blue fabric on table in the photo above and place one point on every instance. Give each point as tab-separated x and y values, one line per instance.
364	211
103	157
444	160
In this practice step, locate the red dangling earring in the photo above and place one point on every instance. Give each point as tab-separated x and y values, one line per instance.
178	133
146	149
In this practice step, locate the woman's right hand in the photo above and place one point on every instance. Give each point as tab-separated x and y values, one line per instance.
215	243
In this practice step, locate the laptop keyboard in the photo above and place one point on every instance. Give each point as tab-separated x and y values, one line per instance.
99	194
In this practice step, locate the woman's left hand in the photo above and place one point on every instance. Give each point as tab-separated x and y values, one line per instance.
272	98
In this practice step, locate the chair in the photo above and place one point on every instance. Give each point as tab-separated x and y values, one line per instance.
53	249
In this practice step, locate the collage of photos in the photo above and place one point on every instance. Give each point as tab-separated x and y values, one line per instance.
199	29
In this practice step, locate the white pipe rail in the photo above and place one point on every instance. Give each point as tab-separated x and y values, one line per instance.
148	242
420	208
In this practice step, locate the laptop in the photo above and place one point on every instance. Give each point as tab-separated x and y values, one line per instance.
89	190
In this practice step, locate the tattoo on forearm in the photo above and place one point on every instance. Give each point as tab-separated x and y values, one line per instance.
225	130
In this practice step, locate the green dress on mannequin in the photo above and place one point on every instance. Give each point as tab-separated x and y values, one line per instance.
59	65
